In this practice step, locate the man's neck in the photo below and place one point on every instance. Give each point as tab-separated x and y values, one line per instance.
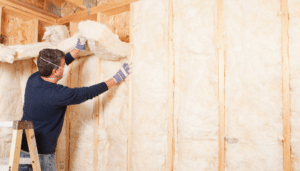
50	79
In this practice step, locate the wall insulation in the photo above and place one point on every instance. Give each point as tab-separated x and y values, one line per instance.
253	85
12	97
196	85
294	51
150	85
113	115
113	121
253	89
82	117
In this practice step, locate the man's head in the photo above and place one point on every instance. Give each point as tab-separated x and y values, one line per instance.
50	63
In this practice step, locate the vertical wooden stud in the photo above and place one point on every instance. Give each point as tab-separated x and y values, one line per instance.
221	53
33	31
66	164
1	15
97	110
286	86
32	37
130	93
171	141
73	28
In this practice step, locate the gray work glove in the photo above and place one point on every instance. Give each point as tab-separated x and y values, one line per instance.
81	43
123	72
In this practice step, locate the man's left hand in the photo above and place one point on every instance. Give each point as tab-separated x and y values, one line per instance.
81	43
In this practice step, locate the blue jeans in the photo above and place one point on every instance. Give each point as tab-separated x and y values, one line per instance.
48	162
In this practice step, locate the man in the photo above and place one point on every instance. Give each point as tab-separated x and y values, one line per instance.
46	101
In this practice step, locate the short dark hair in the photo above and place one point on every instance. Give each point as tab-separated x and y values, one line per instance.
52	55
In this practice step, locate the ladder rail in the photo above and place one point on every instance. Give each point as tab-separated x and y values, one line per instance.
14	158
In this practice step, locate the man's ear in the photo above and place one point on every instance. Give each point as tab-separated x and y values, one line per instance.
53	71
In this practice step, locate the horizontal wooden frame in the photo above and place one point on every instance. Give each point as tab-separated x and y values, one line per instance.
111	8
34	8
19	11
23	11
77	3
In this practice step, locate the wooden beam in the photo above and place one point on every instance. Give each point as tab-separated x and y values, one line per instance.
104	8
33	31
32	37
25	13
1	7
97	110
221	54
66	164
117	10
130	104
285	86
171	142
73	30
77	3
34	8
7	10
55	2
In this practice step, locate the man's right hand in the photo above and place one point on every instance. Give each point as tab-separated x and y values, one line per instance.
123	72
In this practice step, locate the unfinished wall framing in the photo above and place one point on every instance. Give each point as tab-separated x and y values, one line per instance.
214	87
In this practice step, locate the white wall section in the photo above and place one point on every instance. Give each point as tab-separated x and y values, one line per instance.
196	85
294	53
253	85
150	85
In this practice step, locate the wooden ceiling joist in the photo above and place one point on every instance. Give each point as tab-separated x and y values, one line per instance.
111	8
34	8
117	10
77	3
25	13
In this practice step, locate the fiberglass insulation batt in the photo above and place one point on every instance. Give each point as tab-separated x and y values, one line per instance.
253	85
113	121
294	52
150	86
12	97
113	114
196	85
82	121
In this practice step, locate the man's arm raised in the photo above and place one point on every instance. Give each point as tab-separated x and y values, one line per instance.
80	46
120	75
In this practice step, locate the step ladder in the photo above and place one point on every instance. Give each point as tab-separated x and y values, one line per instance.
14	158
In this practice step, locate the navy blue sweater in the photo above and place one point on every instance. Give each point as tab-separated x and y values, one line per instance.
45	105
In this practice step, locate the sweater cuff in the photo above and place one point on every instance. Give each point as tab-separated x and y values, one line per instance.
104	86
69	58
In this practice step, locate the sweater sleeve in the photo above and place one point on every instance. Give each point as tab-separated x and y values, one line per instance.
64	96
69	58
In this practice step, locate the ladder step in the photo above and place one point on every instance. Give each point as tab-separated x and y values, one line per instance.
8	124
5	161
